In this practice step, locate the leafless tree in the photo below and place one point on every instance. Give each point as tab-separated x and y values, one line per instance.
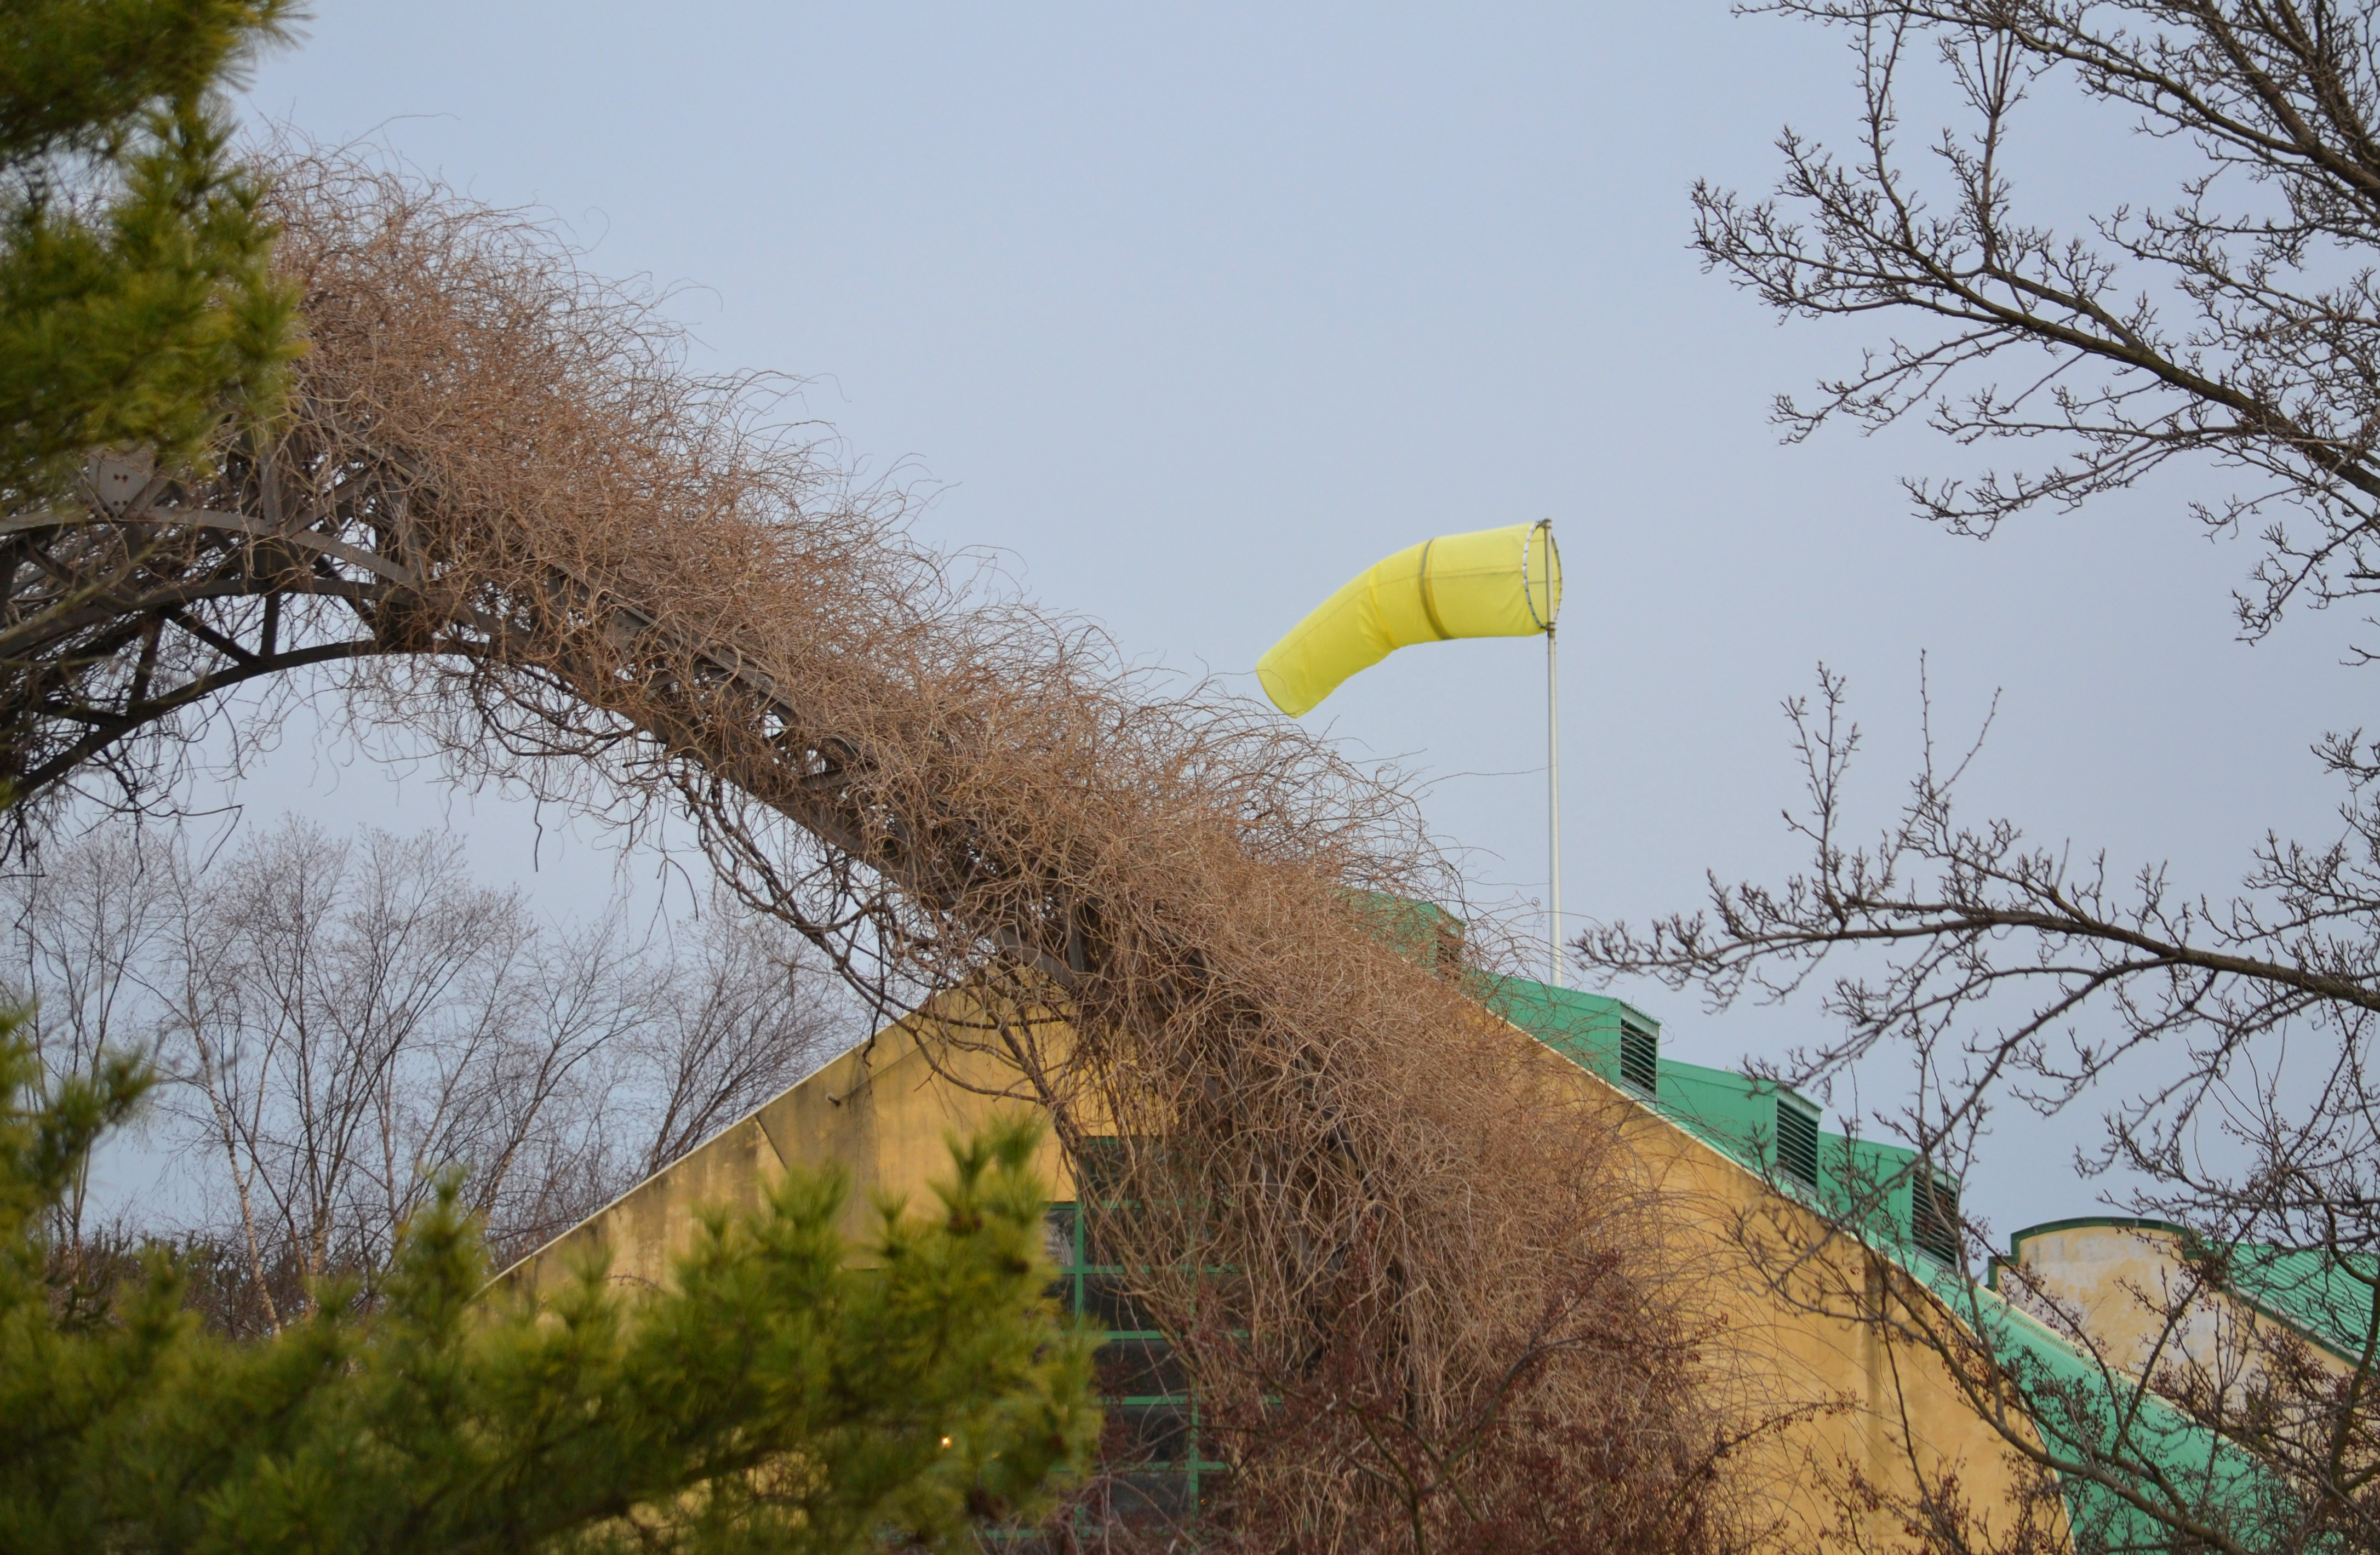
96	922
346	1019
2232	317
724	1039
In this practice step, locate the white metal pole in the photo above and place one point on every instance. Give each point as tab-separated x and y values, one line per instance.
1553	819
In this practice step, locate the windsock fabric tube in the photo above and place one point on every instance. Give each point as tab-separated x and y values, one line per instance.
1491	583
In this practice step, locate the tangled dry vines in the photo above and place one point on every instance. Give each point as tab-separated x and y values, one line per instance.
1407	1272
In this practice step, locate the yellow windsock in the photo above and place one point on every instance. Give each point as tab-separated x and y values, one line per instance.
1491	583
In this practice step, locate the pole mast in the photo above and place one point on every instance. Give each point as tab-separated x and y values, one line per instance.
1553	819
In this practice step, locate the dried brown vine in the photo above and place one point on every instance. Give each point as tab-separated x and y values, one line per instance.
1404	1261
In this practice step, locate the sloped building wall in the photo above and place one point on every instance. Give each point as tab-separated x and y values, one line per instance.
1832	1405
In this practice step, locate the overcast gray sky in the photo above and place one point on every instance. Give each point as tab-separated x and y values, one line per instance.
1196	310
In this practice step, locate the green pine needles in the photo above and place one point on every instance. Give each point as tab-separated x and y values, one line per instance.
780	1395
138	309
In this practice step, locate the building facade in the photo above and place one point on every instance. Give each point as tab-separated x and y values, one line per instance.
1752	1194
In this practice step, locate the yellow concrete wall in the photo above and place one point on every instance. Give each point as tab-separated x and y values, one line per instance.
1881	1411
1777	1296
2117	1283
881	1111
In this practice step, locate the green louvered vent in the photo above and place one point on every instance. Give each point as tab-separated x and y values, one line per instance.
1797	1142
1933	1214
1640	1059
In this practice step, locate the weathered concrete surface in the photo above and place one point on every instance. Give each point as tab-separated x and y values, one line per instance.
1852	1404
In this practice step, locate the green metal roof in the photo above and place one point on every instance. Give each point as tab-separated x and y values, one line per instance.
1736	1113
1582	1027
1869	1186
2329	1298
1421	931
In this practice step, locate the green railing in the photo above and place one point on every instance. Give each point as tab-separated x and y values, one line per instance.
1154	1469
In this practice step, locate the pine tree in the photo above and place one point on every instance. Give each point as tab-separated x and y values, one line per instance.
780	1395
138	309
783	1394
